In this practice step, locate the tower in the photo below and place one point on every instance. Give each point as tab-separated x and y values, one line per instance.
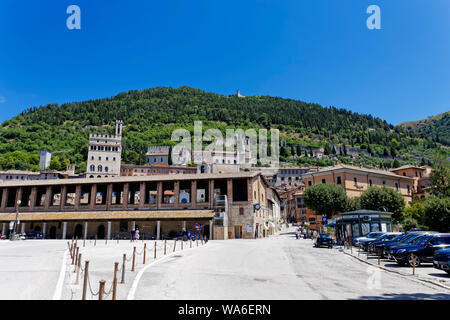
105	154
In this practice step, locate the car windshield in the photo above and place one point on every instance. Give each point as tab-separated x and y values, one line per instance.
410	238
374	235
421	239
324	235
390	236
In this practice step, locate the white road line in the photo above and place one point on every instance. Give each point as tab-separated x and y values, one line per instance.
62	275
132	292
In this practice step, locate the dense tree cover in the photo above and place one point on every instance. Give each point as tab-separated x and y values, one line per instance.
436	127
437	213
326	199
151	115
440	176
380	198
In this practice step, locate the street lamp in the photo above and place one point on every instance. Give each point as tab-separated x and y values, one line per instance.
17	215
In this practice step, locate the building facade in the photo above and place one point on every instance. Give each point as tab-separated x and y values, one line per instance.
157	155
105	154
150	170
227	206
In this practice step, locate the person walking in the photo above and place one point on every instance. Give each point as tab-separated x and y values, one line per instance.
133	233
137	234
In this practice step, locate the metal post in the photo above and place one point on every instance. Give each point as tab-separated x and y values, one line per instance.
84	242
95	240
134	258
182	241
145	251
76	259
86	270
174	245
101	289
190	242
116	268
413	263
155	251
165	247
73	254
123	268
378	258
70	248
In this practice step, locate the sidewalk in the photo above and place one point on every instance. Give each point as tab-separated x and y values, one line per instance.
426	272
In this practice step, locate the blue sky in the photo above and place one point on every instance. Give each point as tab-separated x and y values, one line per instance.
316	51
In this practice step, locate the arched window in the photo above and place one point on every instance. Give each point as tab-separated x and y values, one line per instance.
106	169
92	168
100	168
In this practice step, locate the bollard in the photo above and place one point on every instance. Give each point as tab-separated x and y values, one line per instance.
196	240
86	270
78	267
106	241
95	240
116	268
174	245
155	251
165	247
367	256
123	268
413	263
73	255
134	258
84	242
182	241
190	242
378	258
76	259
101	289
76	241
117	239
145	251
72	241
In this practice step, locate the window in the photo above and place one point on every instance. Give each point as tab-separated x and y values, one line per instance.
404	174
355	180
241	211
92	168
309	183
396	186
338	180
324	181
106	169
92	158
384	182
100	168
99	158
370	182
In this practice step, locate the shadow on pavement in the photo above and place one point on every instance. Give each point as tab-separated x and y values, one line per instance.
406	296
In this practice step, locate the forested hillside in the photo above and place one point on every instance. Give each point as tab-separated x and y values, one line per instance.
151	115
437	127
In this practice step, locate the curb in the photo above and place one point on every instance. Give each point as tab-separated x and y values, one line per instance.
408	276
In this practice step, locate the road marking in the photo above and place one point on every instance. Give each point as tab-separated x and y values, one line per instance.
62	275
132	292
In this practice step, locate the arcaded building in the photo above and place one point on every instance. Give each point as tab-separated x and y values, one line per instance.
236	205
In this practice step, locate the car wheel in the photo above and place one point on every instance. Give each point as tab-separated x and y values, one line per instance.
416	261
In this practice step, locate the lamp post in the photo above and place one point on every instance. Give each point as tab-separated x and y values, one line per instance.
17	215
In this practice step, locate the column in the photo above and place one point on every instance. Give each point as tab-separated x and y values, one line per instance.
109	231
125	195
77	196
4	198
194	193
48	195
142	195
18	197
158	230
3	228
211	193
64	230
93	196
184	225
85	229
63	197
210	229
44	229
109	192
176	189
33	197
159	195
22	230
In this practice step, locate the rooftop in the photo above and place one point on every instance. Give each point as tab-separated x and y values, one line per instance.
343	167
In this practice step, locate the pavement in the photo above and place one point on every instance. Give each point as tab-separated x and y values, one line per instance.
278	267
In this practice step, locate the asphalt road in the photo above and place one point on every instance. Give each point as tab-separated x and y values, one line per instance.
275	268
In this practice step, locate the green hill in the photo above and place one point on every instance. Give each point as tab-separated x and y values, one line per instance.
151	115
437	127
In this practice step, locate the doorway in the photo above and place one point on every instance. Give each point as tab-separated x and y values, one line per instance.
238	232
78	231
101	232
52	233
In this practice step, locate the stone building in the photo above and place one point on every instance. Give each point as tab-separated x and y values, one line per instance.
157	155
237	205
105	154
157	169
44	160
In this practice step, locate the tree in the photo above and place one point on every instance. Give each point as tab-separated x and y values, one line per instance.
415	211
325	199
440	176
437	213
353	204
380	198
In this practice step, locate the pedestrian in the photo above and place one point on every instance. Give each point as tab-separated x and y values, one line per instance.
133	232
137	234
304	233
206	239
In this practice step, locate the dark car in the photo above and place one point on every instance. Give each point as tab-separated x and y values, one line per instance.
409	238
370	244
34	235
422	250
441	260
324	240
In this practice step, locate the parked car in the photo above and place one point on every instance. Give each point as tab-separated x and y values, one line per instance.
422	250
408	238
34	235
364	243
441	260
370	245
324	239
371	235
